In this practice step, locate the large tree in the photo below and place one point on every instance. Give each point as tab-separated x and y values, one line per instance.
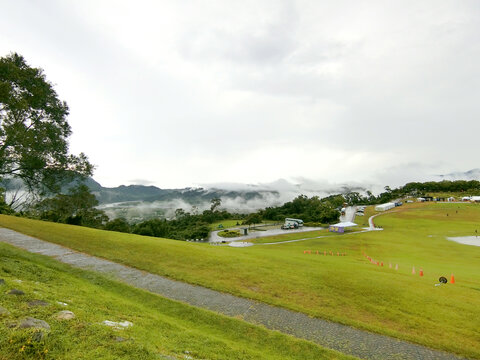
34	130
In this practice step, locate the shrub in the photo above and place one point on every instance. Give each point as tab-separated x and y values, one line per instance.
229	233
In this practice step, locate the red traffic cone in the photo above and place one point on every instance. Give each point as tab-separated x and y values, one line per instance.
421	272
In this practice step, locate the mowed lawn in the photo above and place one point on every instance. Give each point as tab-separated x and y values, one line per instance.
162	329
347	289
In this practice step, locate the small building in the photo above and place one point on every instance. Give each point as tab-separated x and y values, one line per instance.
340	227
385	207
475	199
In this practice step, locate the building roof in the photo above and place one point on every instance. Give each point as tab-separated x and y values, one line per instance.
344	224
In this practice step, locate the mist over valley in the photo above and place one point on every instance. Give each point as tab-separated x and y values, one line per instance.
140	202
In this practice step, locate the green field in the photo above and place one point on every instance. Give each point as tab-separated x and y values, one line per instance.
226	224
162	329
347	289
233	223
291	236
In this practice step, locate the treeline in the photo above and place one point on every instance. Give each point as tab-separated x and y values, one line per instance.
417	189
184	226
78	207
310	210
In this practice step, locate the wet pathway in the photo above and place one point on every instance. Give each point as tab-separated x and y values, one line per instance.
331	335
215	238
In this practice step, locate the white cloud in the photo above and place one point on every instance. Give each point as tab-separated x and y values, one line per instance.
182	93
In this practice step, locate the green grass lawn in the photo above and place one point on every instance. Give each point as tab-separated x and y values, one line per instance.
226	224
287	235
162	329
233	223
346	289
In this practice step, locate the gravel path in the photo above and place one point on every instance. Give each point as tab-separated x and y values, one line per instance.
335	336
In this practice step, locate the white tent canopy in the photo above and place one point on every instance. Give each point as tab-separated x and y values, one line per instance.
387	206
344	224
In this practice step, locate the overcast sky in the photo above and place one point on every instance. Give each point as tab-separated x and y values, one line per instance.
184	93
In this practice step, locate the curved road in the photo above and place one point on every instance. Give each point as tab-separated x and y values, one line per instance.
214	238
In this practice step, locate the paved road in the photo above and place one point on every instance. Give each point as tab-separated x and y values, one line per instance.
214	238
335	336
349	216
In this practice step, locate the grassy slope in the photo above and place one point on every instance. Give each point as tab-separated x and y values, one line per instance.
345	289
161	327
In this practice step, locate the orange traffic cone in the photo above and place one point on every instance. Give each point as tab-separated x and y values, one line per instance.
325	253
338	254
421	272
317	252
413	270
304	251
381	263
452	279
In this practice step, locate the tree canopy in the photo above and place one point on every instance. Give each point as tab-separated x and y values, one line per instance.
76	208
34	130
311	209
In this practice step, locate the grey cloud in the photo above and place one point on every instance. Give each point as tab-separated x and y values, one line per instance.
141	182
261	44
212	83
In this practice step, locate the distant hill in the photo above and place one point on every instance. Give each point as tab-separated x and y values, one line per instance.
193	196
473	174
